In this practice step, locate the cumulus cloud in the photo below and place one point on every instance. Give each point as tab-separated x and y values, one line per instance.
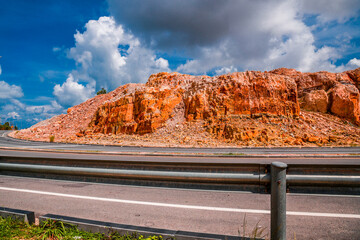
106	56
13	115
353	63
12	107
215	35
8	91
110	56
225	70
47	109
26	115
71	92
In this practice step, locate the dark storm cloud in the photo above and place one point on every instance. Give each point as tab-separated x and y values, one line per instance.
178	23
234	34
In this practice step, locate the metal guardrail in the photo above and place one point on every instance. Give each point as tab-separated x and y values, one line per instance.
252	174
138	174
255	178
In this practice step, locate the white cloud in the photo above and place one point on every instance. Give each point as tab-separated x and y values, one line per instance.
248	35
353	63
18	104
0	70
8	91
56	49
225	70
71	92
26	115
53	107
12	108
13	115
109	55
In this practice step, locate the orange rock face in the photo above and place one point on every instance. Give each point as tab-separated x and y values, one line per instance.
342	91
138	110
345	102
316	100
145	108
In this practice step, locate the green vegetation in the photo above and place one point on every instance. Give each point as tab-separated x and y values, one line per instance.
7	126
102	91
52	138
51	229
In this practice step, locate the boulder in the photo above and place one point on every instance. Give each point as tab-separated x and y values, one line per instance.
342	88
316	100
345	102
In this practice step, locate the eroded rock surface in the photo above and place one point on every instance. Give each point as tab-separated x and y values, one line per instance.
342	90
145	108
316	100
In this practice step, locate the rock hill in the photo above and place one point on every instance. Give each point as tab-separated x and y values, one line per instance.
276	108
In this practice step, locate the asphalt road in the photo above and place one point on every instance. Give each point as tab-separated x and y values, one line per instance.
16	143
218	212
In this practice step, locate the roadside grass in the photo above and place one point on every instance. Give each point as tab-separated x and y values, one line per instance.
54	230
258	232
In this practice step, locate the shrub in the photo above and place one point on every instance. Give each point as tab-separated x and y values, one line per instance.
102	91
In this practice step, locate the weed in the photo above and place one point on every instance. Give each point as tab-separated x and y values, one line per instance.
52	138
258	231
54	230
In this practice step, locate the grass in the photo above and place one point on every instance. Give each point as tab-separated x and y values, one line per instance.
54	230
258	232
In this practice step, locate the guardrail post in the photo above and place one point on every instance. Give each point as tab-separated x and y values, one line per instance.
278	200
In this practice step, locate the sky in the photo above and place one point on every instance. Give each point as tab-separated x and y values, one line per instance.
56	54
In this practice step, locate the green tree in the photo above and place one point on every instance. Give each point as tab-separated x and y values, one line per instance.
102	91
6	126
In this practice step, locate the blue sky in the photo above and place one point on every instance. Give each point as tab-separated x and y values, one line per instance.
55	54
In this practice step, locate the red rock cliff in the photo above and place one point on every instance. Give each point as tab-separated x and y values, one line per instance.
144	108
336	93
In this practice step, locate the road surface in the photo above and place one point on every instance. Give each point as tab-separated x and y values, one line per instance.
16	143
218	212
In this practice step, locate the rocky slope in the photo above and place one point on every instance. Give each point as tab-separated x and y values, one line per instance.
277	108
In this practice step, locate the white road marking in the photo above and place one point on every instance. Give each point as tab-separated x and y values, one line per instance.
179	189
238	210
